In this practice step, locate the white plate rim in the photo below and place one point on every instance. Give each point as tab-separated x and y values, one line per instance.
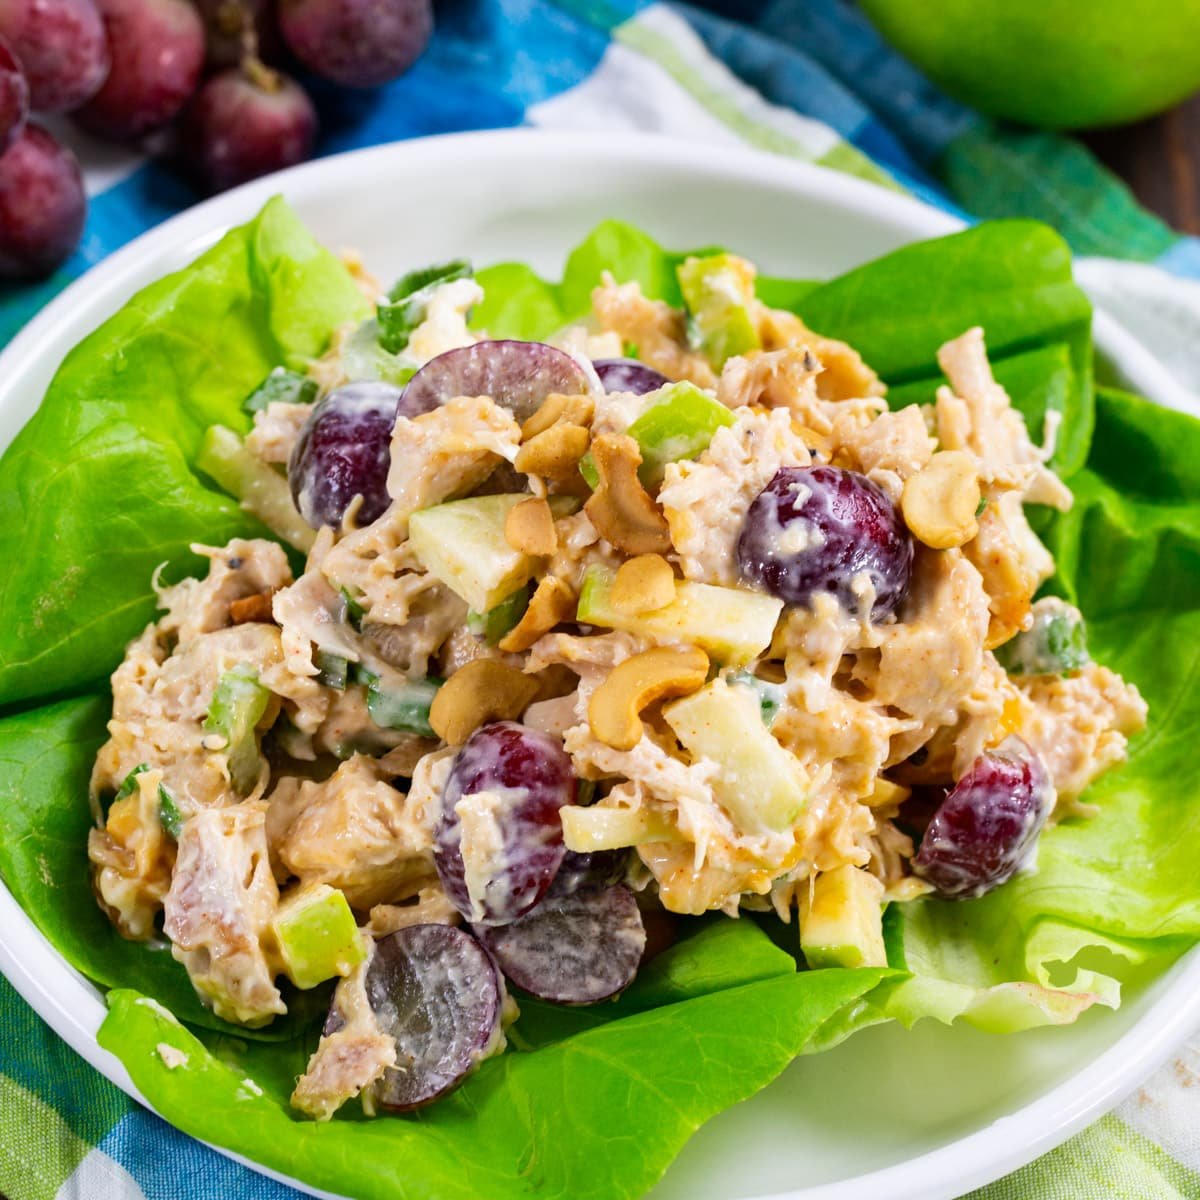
72	1006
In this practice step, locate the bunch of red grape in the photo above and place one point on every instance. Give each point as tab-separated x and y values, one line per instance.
185	77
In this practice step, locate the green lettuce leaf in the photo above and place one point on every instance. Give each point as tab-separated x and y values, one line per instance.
722	1012
96	491
597	1115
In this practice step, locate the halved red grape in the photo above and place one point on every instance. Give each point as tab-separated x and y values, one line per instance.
499	862
823	529
628	375
343	451
61	47
14	97
517	375
157	55
42	205
357	43
246	122
589	869
988	823
576	949
437	992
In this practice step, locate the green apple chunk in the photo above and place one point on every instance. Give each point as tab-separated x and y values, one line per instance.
734	626
263	492
759	784
678	423
317	936
462	543
718	292
841	921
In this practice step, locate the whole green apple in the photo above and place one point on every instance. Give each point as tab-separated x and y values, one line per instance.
1058	64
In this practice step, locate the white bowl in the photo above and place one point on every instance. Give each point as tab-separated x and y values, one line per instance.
928	1113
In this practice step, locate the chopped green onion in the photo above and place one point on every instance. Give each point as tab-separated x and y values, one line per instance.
409	301
169	816
332	670
983	503
496	622
281	386
355	613
129	783
238	704
403	706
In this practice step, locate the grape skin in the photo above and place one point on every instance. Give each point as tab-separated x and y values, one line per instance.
579	948
438	993
157	55
531	778
987	825
42	205
357	43
14	98
344	450
62	48
820	529
240	126
629	375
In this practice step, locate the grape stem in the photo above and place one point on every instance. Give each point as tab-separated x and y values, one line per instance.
259	74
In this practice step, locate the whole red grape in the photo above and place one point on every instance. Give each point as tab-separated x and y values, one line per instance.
14	97
357	43
237	29
157	55
61	47
246	122
42	205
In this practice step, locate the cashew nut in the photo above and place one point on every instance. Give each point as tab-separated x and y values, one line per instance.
575	410
614	710
552	602
620	508
940	501
529	527
251	608
555	452
484	690
643	584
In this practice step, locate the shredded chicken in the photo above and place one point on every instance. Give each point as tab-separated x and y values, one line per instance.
218	912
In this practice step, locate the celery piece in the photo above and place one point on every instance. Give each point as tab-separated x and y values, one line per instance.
317	935
263	492
238	704
678	423
500	619
732	624
718	292
283	387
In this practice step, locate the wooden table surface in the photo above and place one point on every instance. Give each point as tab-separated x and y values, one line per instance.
1160	160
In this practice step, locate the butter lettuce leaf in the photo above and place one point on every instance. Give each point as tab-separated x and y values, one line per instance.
97	491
